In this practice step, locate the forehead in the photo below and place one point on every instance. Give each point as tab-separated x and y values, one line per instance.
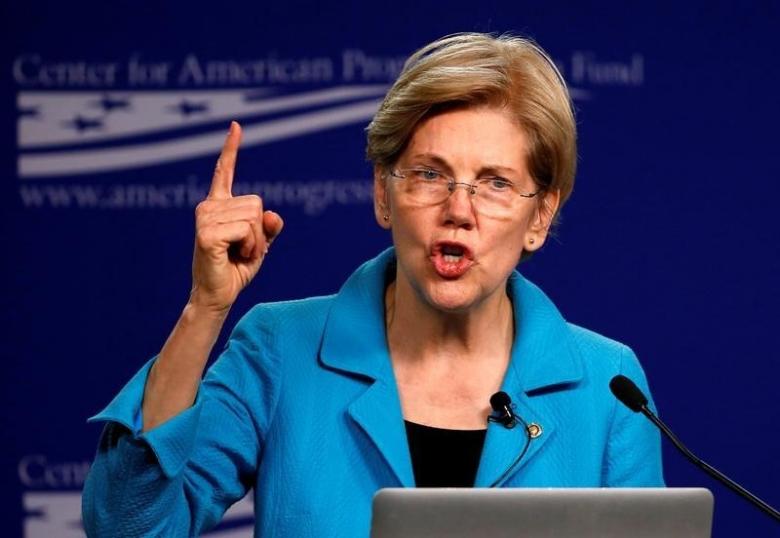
472	138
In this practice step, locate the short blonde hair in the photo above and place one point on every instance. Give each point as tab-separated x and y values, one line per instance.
472	69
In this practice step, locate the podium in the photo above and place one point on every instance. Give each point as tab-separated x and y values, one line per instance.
542	513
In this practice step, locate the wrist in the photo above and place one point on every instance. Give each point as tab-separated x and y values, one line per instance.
201	307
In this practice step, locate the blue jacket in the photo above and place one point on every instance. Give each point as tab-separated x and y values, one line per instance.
302	405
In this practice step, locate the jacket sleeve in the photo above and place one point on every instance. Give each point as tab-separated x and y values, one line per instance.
633	455
179	478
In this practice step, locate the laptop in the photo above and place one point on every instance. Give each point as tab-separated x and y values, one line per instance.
542	513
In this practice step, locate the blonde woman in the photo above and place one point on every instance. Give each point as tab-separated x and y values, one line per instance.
318	403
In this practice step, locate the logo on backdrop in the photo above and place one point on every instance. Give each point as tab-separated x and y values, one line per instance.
52	501
72	134
85	128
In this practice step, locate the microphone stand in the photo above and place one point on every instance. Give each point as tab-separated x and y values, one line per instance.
710	470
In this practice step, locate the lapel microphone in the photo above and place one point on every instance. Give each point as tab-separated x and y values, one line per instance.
502	410
503	414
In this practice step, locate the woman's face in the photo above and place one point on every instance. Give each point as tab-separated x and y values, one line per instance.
455	255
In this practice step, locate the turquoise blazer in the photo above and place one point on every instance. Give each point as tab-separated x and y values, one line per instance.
302	406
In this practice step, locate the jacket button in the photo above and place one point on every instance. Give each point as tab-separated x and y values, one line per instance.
534	430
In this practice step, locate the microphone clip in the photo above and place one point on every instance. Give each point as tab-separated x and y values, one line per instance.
504	416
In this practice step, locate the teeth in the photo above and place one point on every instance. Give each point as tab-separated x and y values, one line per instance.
452	250
451	258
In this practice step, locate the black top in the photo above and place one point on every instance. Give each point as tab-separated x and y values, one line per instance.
444	458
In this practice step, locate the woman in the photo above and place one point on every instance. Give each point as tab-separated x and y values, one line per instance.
319	403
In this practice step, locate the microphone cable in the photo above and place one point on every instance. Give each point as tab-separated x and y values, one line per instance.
504	402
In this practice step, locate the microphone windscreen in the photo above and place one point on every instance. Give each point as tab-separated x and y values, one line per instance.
499	401
628	393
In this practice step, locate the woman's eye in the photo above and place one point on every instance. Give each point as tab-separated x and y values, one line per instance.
499	183
426	173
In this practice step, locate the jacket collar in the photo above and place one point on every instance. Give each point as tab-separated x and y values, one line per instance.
354	342
543	360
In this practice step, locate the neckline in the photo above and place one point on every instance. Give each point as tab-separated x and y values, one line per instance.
425	427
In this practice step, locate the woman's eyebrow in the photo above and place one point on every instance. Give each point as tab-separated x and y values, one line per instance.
499	170
433	157
495	169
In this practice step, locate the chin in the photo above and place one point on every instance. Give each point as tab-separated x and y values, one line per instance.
451	297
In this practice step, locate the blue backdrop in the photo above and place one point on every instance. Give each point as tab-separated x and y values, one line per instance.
113	113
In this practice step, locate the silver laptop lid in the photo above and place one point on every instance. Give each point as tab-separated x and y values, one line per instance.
542	513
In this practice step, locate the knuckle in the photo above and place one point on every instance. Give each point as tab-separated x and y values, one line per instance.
203	208
255	200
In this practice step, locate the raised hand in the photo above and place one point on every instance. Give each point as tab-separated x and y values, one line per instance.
232	235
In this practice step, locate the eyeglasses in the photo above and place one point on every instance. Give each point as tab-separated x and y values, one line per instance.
491	195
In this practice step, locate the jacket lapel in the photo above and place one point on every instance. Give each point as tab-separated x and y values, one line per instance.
378	413
354	342
542	361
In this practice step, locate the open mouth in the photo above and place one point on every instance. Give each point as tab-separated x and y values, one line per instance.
452	253
450	259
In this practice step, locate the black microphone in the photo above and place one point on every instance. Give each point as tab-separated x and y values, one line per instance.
502	405
628	393
632	397
503	414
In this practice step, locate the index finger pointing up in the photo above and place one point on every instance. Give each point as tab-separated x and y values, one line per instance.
222	182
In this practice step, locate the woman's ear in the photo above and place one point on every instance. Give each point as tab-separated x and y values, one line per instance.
381	197
539	227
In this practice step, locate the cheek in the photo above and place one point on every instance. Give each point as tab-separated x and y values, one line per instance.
410	223
406	237
513	233
507	246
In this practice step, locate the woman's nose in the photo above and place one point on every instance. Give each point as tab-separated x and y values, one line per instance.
459	206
